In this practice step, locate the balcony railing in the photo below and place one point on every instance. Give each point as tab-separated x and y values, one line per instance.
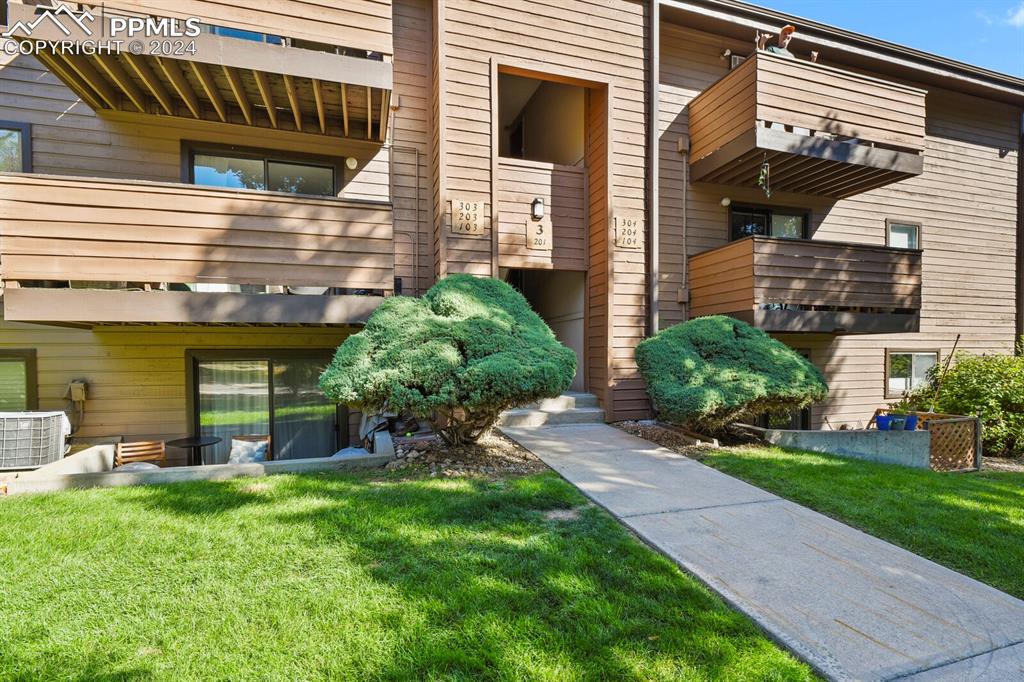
339	92
84	234
803	285
821	130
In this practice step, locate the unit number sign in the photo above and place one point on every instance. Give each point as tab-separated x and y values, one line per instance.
628	232
467	217
538	234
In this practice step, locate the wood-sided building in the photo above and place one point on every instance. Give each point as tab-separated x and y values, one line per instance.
192	226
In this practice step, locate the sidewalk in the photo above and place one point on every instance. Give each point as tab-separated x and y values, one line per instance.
853	606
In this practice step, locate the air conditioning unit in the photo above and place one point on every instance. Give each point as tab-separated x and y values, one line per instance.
28	440
735	60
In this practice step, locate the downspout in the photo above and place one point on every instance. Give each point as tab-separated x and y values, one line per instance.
1020	239
653	210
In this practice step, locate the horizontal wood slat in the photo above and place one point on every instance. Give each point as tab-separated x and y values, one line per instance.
63	228
745	275
563	190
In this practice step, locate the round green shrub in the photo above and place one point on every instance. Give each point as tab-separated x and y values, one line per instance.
467	350
712	371
987	386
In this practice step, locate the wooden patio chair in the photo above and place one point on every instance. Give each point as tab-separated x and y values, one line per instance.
250	438
141	451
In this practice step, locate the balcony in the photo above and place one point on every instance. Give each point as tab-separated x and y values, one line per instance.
822	130
94	251
809	286
211	77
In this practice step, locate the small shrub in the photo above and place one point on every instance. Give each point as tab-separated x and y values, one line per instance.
987	386
468	350
716	370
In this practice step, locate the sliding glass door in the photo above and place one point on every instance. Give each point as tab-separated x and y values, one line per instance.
276	395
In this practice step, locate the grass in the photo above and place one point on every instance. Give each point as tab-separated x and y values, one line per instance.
359	576
972	523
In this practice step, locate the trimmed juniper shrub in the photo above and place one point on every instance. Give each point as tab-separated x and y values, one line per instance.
457	357
712	371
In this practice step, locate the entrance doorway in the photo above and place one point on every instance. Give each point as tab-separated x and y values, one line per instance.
558	297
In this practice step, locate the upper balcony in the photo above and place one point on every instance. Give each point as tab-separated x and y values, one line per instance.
331	75
809	285
822	130
95	251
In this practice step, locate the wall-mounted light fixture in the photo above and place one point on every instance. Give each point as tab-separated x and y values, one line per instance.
537	209
725	201
351	162
726	53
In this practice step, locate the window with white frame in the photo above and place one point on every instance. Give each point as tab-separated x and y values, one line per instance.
907	370
904	235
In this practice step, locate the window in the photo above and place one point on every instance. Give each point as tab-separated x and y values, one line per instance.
242	34
747	221
250	170
15	147
18	380
903	235
906	370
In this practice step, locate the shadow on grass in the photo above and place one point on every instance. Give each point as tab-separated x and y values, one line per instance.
971	522
501	590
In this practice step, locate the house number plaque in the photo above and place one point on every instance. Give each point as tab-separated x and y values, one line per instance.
538	234
467	217
628	232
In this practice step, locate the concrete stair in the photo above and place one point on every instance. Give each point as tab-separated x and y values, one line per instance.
568	408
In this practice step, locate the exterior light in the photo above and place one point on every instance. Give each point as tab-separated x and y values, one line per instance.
537	209
351	162
726	201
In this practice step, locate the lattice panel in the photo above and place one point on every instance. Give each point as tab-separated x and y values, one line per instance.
953	444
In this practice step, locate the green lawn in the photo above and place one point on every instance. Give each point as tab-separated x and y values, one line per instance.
972	523
362	576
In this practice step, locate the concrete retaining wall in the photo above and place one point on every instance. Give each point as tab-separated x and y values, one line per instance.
908	448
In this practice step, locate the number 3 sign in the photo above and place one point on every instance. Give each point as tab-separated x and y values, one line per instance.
538	234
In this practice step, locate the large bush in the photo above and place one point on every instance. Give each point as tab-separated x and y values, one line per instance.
459	356
987	386
712	371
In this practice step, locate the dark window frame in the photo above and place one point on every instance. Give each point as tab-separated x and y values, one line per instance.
191	148
28	355
26	141
764	208
889	222
889	395
194	356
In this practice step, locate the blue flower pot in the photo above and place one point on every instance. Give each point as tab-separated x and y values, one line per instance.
882	422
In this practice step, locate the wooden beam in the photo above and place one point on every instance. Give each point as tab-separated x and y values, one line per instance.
88	73
385	100
110	64
263	83
344	108
68	76
293	100
321	111
181	85
369	113
235	81
205	78
142	69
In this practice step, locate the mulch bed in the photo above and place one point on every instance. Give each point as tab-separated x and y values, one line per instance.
1015	465
493	456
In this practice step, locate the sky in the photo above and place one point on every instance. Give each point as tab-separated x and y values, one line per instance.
986	33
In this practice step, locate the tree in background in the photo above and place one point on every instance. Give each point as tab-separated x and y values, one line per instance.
469	349
713	371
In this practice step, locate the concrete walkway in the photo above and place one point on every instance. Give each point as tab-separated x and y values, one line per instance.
851	605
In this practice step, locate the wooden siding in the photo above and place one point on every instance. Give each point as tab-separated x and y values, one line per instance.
562	190
722	280
965	199
136	375
585	42
64	228
359	24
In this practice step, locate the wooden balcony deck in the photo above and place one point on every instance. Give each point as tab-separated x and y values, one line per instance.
804	285
823	130
232	80
88	230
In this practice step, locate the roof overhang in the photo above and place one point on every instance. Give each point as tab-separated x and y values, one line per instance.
738	20
212	77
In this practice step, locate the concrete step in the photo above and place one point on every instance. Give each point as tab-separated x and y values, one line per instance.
569	408
566	401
